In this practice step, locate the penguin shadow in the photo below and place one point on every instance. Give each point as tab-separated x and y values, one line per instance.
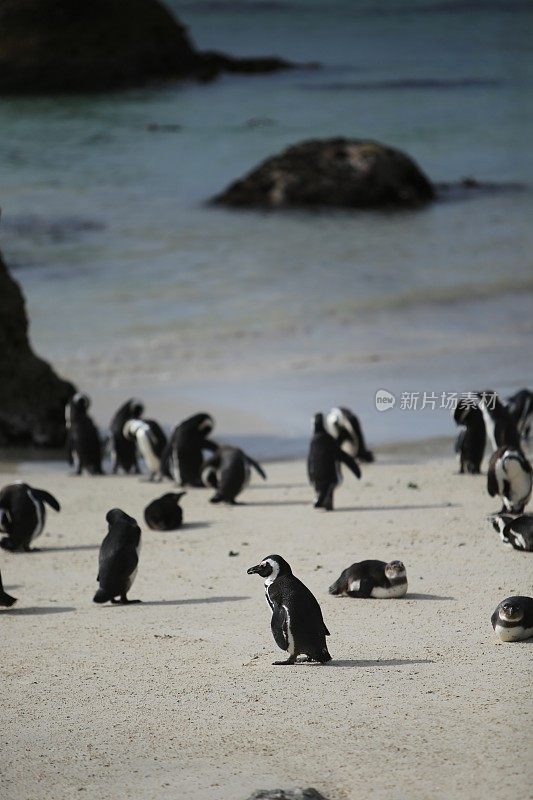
421	596
68	548
383	662
186	601
275	503
33	611
413	507
192	526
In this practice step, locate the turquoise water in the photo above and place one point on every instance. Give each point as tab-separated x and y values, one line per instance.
133	283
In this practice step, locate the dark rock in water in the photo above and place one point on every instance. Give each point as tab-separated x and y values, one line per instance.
347	173
70	46
60	229
469	188
32	396
287	794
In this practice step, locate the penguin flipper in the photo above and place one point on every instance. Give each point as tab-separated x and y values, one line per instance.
326	630
279	623
46	497
492	484
258	468
350	462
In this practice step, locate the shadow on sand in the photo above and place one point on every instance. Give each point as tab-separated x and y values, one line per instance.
68	548
399	508
36	610
384	662
419	596
187	601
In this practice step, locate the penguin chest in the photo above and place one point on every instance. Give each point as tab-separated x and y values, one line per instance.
515	633
147	452
389	592
39	516
519	480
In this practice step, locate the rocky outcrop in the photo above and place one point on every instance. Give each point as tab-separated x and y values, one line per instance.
32	397
347	173
71	46
287	794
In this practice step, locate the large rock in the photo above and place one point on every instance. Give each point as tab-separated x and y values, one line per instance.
348	173
73	45
32	397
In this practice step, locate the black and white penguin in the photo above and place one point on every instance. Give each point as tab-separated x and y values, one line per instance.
344	426
510	476
124	451
165	513
5	599
371	578
118	559
515	531
228	471
183	458
323	461
513	619
84	449
23	514
499	424
297	623
520	407
470	443
151	442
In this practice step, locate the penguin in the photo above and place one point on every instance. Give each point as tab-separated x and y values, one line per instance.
183	459
372	578
151	442
323	464
470	443
164	513
513	619
23	514
520	407
344	426
123	451
228	471
118	559
83	440
510	476
515	531
297	623
500	426
5	599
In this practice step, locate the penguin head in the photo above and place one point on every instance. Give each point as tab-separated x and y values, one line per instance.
117	516
499	521
510	611
131	427
395	570
271	567
318	423
135	407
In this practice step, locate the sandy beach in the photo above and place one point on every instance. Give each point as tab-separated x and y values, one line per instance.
178	697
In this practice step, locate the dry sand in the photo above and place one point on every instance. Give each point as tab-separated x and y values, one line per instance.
177	697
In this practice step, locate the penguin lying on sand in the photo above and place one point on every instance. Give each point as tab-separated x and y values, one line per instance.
470	443
151	442
372	579
513	619
123	451
183	458
84	449
23	514
228	471
516	531
510	476
520	407
297	623
118	559
323	464
164	513
5	599
344	426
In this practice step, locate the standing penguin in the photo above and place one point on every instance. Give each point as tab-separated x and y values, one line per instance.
323	464
513	619
510	476
5	599
470	443
516	531
297	623
183	457
164	513
151	442
500	426
372	579
123	451
83	441
228	471
23	514
119	558
344	426
520	407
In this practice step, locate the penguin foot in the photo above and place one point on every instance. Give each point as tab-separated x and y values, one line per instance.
290	660
124	601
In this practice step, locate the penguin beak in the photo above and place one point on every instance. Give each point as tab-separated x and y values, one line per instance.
253	570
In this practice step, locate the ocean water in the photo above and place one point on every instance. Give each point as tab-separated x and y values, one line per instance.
135	286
